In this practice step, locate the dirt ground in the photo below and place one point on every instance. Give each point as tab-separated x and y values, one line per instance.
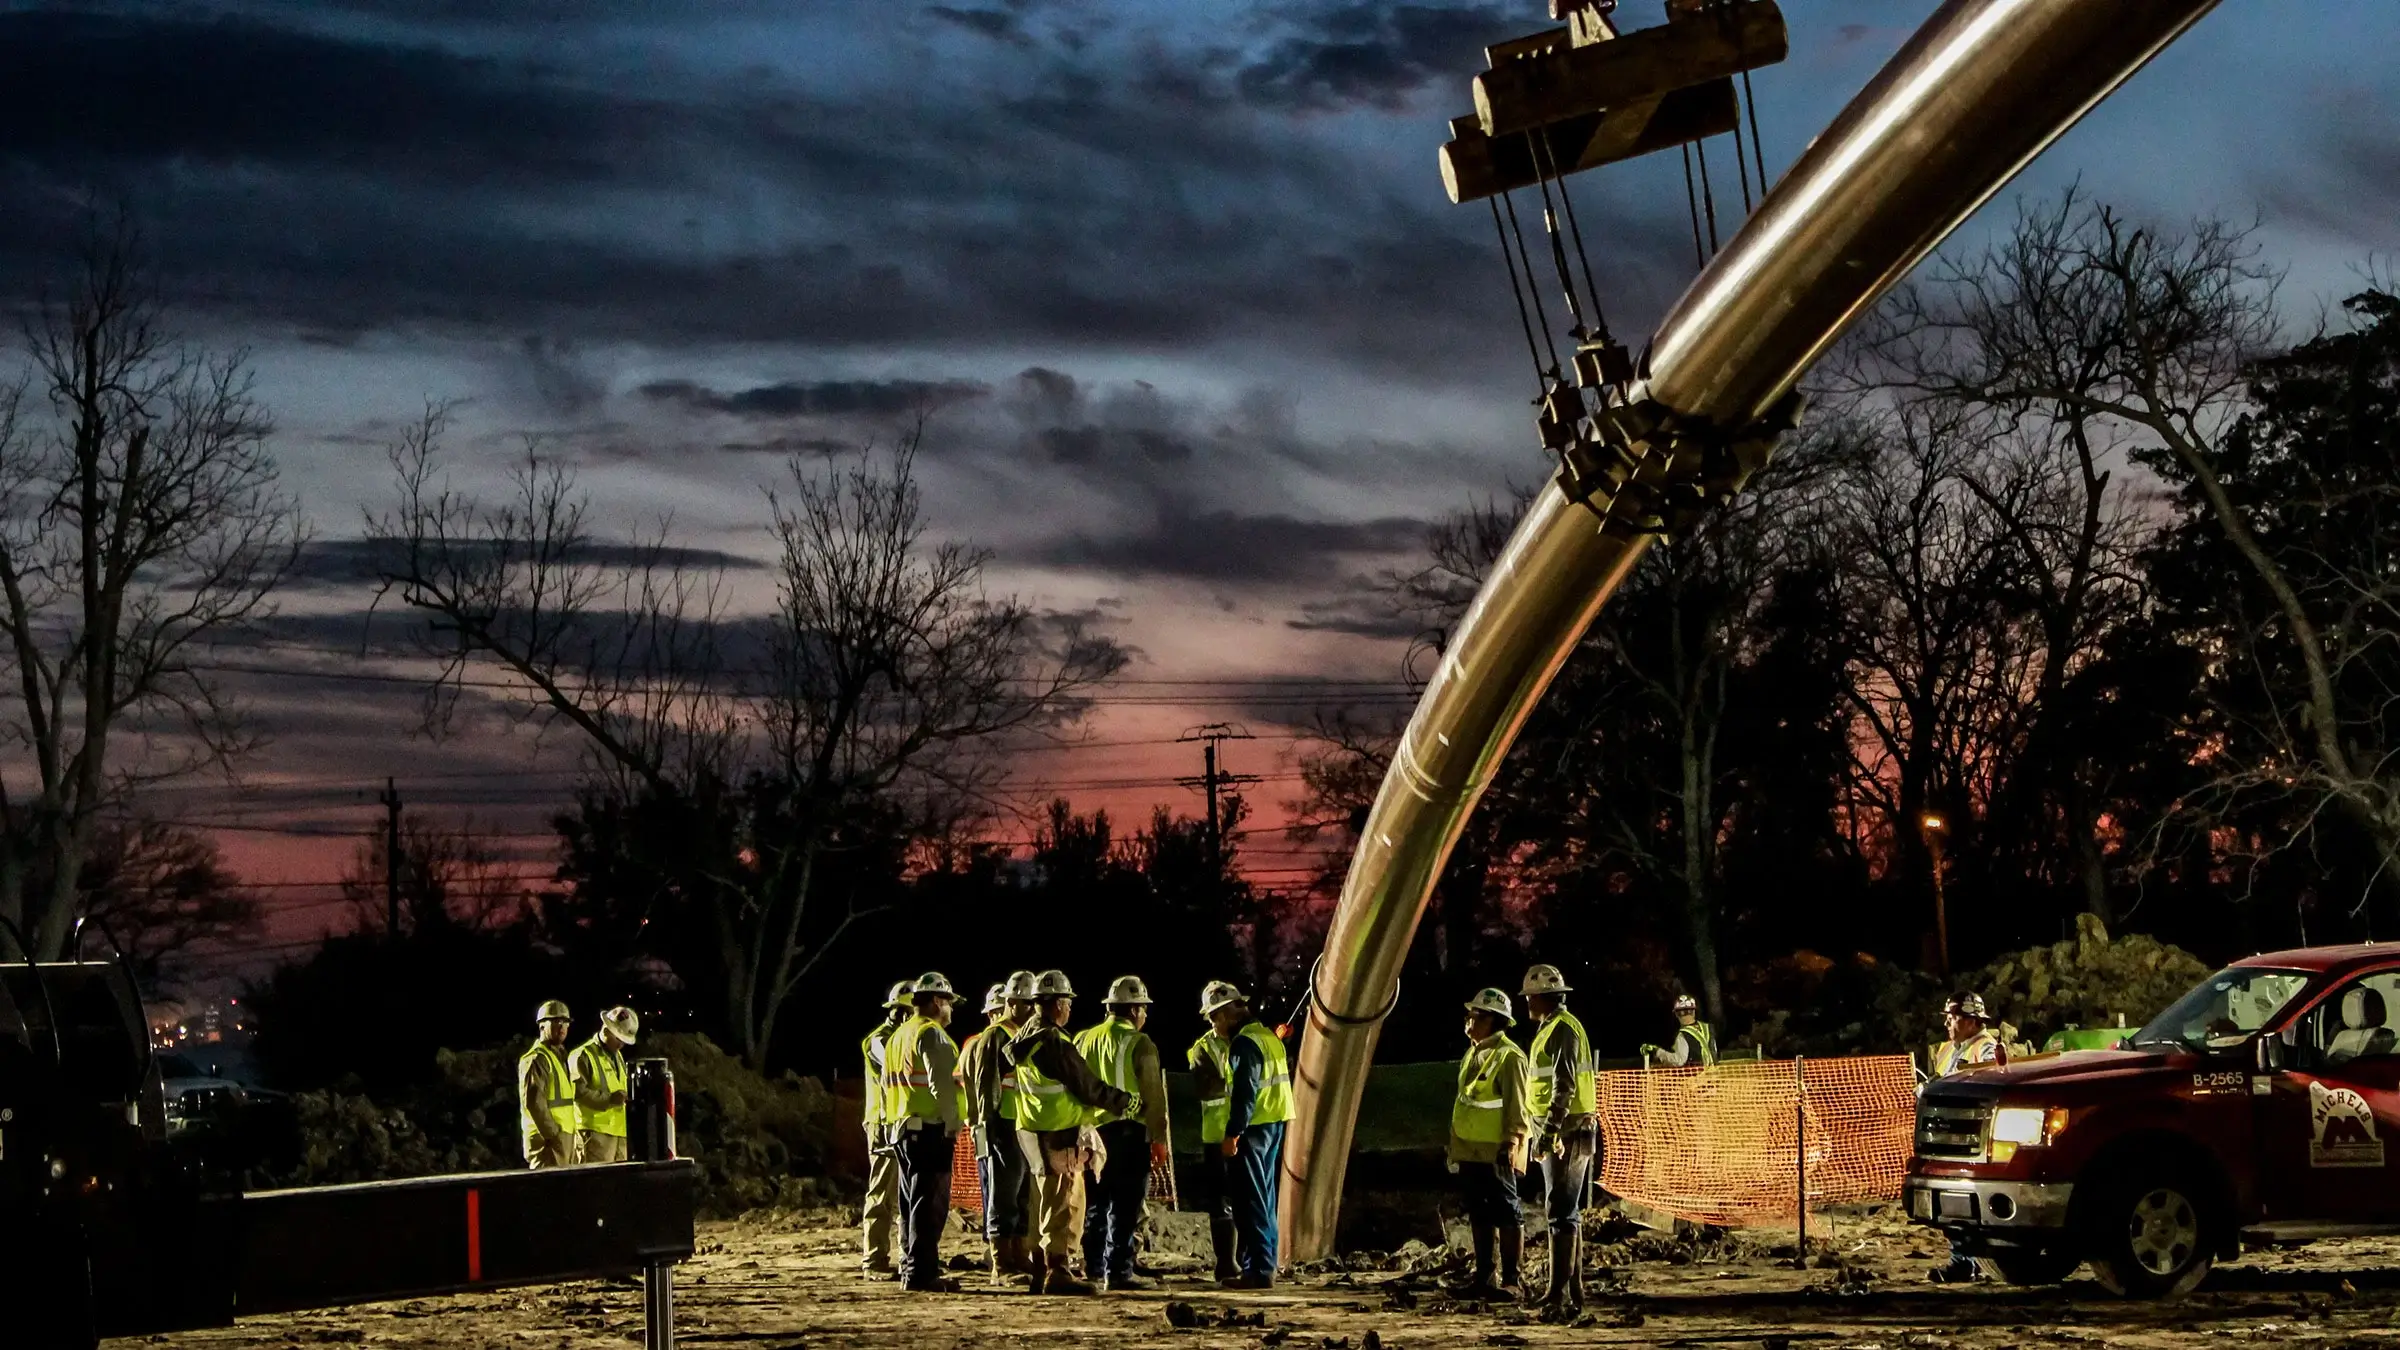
784	1282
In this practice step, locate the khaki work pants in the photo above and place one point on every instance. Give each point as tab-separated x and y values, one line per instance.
882	1208
602	1148
541	1153
1057	1196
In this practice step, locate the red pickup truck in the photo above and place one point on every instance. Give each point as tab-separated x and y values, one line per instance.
2264	1103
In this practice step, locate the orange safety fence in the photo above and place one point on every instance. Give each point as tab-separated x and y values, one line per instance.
1722	1145
966	1184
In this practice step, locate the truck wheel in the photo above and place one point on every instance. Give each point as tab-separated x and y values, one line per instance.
2035	1267
2149	1236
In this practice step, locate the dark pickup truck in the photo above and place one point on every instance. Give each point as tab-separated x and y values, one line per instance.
2262	1104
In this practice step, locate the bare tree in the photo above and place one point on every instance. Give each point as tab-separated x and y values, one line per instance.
887	681
163	895
142	521
2082	318
452	876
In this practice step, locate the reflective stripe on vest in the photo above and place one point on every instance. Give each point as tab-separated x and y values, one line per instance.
909	1090
1951	1057
1545	1067
1274	1103
1478	1114
1704	1039
561	1101
1215	1112
870	1051
1043	1103
607	1068
1108	1048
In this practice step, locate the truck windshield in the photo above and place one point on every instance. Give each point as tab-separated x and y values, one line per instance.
2224	1010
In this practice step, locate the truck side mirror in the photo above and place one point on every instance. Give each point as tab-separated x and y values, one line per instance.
2269	1050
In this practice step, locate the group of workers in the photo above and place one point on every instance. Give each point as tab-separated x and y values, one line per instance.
1520	1107
1066	1129
571	1103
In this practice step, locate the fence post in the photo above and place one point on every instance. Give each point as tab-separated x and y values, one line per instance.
1800	1151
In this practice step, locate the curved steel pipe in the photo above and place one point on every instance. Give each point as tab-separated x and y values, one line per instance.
1980	89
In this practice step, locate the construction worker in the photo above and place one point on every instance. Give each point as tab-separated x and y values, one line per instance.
1258	1102
1055	1087
1489	1123
989	1083
1695	1041
1968	1044
882	1204
1211	1062
545	1092
921	1104
1120	1054
1565	1101
598	1068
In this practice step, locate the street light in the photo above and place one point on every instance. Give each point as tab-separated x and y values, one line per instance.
1935	829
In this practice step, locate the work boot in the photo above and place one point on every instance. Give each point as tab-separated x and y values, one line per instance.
1220	1244
1036	1272
1128	1282
1559	1296
1575	1267
1478	1282
1061	1280
1512	1260
1959	1270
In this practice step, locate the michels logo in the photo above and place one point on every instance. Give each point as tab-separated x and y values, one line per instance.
2342	1129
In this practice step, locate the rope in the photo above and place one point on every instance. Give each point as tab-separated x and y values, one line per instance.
1691	197
1575	227
1757	151
1510	200
1741	167
1708	195
1517	290
1558	251
1330	1015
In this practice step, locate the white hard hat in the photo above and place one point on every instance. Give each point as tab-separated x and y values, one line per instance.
553	1011
933	982
1545	980
1022	985
623	1023
1128	989
1216	994
1966	1005
901	995
1495	1002
1686	1003
995	998
1053	984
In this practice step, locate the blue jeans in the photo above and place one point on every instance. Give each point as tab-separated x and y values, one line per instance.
1007	1185
925	1160
1252	1179
1564	1178
1490	1190
1114	1199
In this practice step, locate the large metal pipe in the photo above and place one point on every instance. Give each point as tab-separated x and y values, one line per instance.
1980	89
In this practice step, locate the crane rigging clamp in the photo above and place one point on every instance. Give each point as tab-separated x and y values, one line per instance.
1572	98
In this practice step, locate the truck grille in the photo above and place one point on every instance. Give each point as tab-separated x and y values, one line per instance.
1952	1127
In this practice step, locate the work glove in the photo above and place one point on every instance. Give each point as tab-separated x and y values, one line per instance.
1453	1166
616	1099
1649	1050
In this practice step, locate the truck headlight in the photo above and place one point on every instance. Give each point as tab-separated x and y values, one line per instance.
2028	1126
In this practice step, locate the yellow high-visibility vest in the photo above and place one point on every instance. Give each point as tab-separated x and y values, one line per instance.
1481	1108
1043	1103
909	1090
1274	1103
1108	1048
560	1102
607	1072
1545	1067
1215	1112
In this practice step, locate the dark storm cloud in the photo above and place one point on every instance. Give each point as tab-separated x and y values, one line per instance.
360	562
1377	55
820	398
997	24
2346	182
116	89
1228	546
1361	610
346	183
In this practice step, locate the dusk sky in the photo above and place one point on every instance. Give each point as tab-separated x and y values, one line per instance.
1203	344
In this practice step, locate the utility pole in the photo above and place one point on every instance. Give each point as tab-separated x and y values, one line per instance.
1212	779
1936	831
391	860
